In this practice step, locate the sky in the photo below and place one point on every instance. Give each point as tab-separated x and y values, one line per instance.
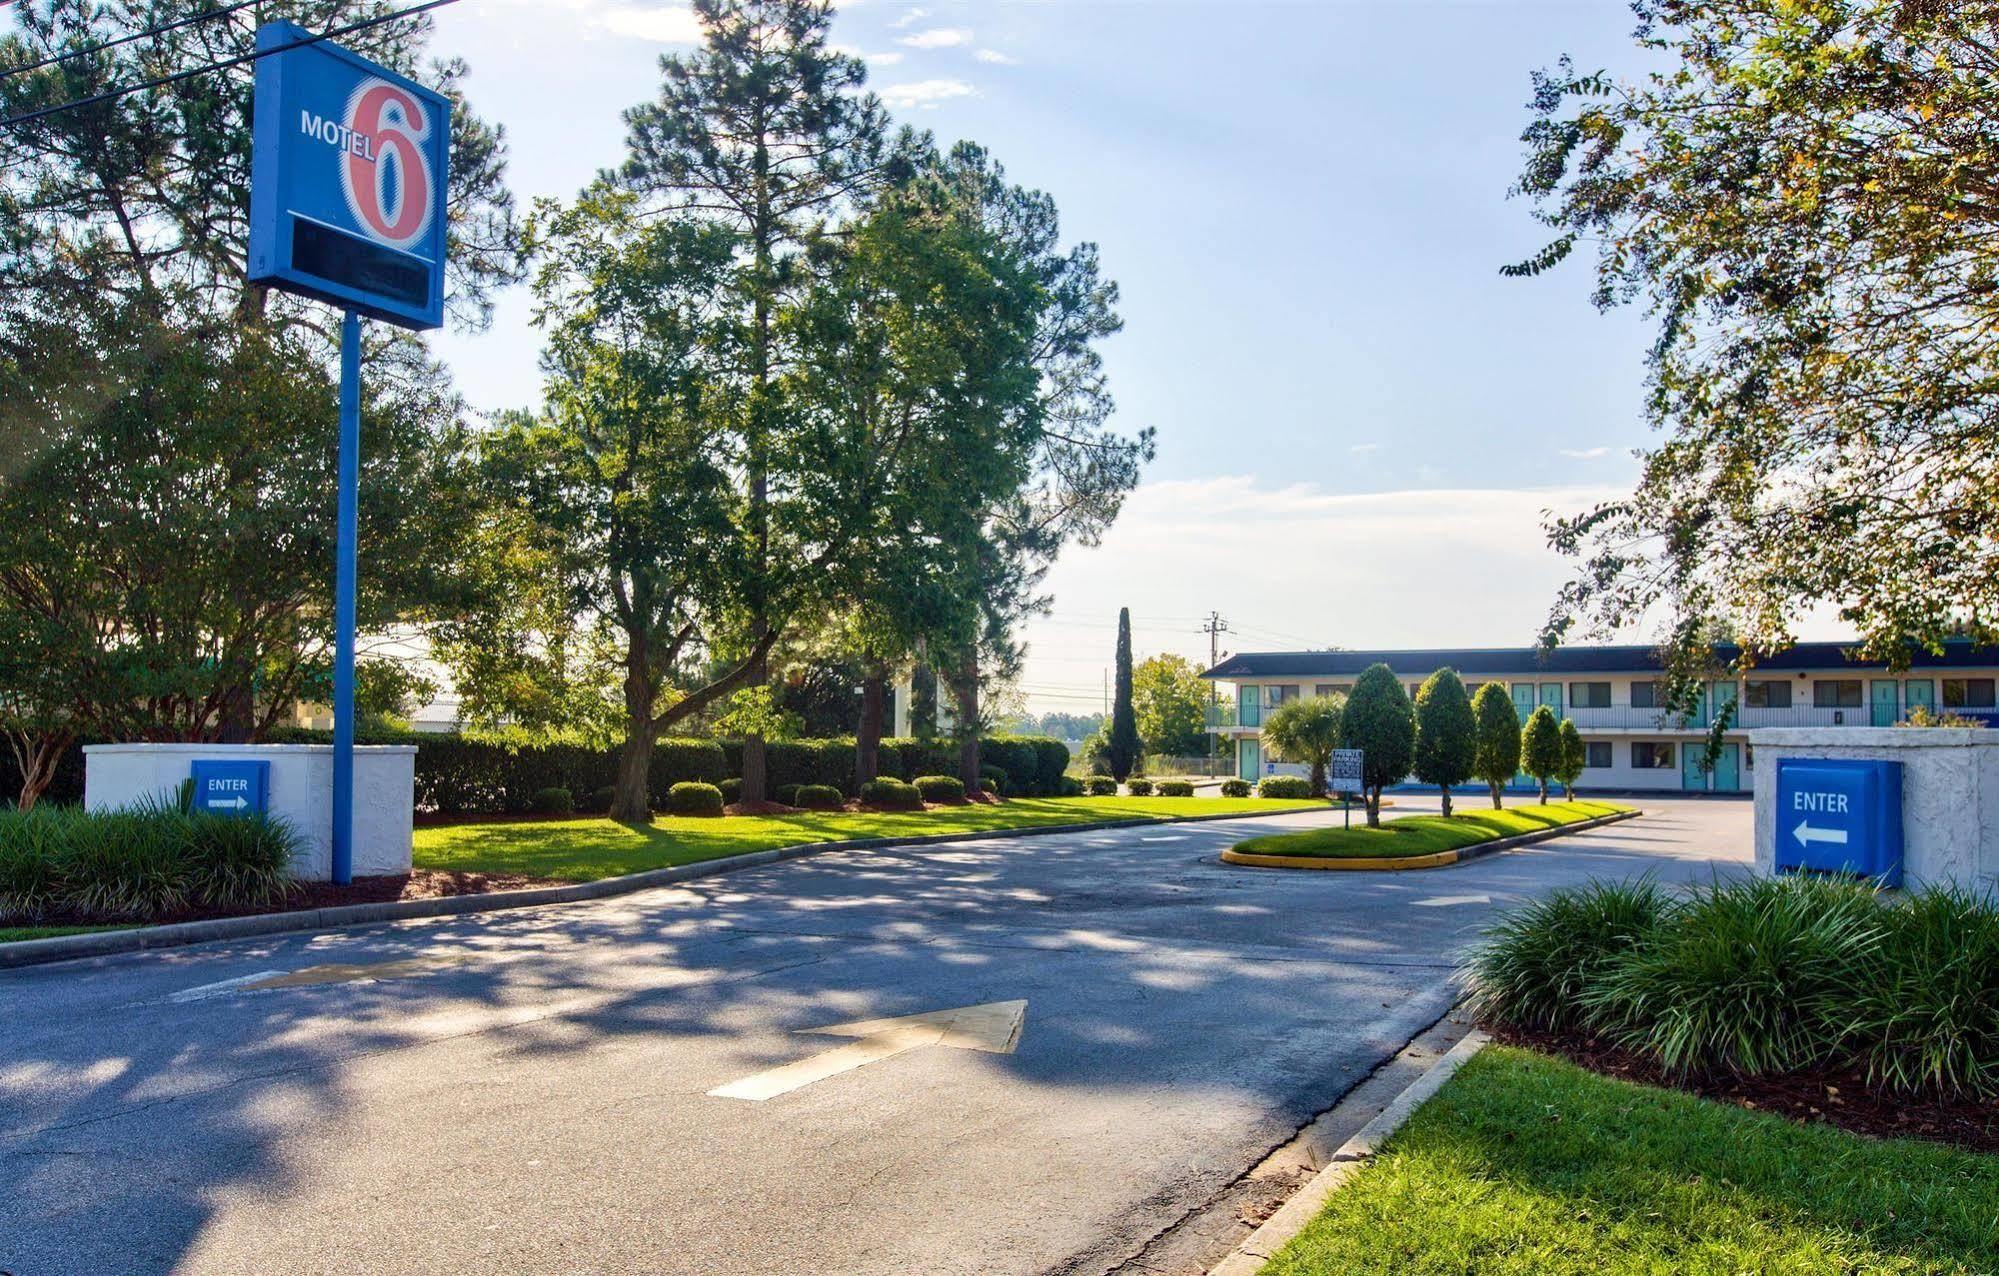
1361	424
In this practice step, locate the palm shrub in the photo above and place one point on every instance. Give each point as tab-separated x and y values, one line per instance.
1537	962
239	860
1305	731
1750	977
1930	1014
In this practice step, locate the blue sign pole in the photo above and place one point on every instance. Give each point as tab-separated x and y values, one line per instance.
343	599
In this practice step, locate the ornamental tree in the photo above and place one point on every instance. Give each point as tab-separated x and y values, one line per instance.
1379	720
1575	758
1123	745
1306	730
1496	757
1541	747
1446	733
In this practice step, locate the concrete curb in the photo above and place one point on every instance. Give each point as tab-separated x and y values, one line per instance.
1438	859
1249	1257
37	952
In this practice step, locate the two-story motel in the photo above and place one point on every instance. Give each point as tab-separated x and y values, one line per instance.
1614	695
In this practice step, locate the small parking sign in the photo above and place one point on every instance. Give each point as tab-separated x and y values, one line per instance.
1344	776
231	786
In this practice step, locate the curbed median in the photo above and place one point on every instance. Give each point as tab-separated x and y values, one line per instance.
1424	841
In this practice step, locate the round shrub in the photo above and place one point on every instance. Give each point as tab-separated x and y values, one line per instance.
601	798
1102	786
691	797
818	797
1538	960
1070	787
891	795
996	779
1284	786
1138	786
990	785
1747	977
1930	1015
1174	788
731	789
786	794
940	788
1235	788
554	800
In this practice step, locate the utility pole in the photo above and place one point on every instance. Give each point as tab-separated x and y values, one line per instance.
1214	627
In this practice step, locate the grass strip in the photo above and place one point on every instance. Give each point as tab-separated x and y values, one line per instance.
1426	834
1530	1165
587	849
15	934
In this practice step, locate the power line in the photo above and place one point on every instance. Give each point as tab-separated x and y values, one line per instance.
127	38
30	117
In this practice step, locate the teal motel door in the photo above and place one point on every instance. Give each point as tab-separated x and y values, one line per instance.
1551	696
1728	769
1249	705
1523	705
1248	759
1692	778
1920	693
1882	702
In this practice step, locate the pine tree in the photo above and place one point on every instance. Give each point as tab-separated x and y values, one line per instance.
1125	746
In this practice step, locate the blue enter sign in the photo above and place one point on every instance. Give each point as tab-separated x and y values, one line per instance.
231	787
1840	815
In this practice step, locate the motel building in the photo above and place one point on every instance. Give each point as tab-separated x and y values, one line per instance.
1613	695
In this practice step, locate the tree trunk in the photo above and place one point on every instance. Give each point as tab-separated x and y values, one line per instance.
967	690
1318	779
1373	798
1497	805
38	756
867	740
1445	789
238	715
1544	789
756	774
630	800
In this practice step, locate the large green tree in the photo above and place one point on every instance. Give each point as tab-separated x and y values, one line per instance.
1446	733
1306	731
1123	745
1804	195
768	131
1541	747
1170	702
1379	719
1496	759
1575	758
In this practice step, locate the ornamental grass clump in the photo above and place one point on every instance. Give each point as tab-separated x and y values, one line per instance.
239	861
1751	977
1930	1015
1538	961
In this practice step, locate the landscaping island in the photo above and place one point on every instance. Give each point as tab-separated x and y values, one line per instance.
1414	841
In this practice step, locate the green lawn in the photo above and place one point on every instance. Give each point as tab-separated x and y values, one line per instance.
1525	1164
583	850
1426	834
14	934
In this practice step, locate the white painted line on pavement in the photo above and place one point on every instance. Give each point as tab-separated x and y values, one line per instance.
1446	901
225	986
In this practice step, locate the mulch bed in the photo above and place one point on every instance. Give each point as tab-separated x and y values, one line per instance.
1838	1097
422	884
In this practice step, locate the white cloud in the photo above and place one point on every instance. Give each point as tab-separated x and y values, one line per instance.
925	92
661	23
872	59
1364	449
995	57
938	38
1584	453
909	19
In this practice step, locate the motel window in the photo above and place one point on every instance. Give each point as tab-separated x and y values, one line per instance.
1589	695
1837	693
1766	693
1651	755
1644	695
1968	693
1278	695
1332	689
1597	755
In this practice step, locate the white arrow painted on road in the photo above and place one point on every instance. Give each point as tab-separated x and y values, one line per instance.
993	1027
1806	835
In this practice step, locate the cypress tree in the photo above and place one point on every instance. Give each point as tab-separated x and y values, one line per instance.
1124	746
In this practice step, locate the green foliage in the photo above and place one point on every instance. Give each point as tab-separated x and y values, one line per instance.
1101	786
732	789
1379	718
600	799
1446	733
817	797
691	797
1537	961
553	800
238	861
1930	1013
1138	786
1496	759
1170	703
1541	747
1284	786
138	864
891	795
1122	744
1070	787
1828	435
940	788
1174	788
1575	757
1413	835
1235	788
997	777
1306	730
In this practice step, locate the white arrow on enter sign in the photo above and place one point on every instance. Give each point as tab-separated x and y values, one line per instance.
993	1027
1806	835
235	803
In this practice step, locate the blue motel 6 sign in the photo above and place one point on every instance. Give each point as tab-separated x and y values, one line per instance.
231	787
1840	815
347	180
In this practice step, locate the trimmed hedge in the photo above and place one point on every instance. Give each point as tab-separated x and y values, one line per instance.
1235	788
940	788
554	800
818	797
1284	786
691	797
1101	786
892	795
1138	786
1174	788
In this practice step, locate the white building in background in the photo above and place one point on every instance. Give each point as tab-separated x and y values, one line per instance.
1613	695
